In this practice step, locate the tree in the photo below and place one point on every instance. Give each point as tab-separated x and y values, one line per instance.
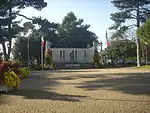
74	34
121	49
2	2
96	59
48	58
21	44
143	32
117	35
49	30
8	27
46	29
71	33
37	4
32	37
130	9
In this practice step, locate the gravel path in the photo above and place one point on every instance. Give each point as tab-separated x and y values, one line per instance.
123	90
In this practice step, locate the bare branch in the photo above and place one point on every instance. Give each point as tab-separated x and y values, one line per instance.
23	16
131	26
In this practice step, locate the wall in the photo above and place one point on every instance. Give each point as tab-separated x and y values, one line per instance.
80	55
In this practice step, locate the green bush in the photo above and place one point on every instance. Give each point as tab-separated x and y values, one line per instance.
23	72
48	59
9	73
96	59
11	79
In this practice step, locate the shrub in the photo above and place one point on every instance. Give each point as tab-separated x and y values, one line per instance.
9	73
11	79
96	59
15	65
48	59
23	72
4	66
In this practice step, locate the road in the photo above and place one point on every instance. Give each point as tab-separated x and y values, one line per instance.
122	90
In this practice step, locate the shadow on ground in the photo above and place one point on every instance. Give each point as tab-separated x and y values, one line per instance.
41	85
123	100
75	70
41	94
131	83
92	76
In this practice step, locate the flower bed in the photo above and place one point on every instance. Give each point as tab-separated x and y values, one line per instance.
10	74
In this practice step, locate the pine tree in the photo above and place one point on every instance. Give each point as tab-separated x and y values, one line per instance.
9	28
128	10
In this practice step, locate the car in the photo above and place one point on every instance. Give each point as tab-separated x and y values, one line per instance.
144	62
130	62
120	62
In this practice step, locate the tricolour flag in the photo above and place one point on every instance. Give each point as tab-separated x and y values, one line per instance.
42	42
107	43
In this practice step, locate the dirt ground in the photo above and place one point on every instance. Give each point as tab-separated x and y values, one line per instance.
122	90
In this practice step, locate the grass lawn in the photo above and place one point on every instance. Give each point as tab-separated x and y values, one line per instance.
148	66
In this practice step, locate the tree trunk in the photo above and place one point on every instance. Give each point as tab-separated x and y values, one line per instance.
9	49
4	51
138	40
9	31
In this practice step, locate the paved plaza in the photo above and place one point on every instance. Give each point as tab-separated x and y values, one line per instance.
122	90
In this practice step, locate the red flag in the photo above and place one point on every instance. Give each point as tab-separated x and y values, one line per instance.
107	43
42	42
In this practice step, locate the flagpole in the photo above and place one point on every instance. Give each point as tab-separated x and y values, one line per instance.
28	53
107	42
42	52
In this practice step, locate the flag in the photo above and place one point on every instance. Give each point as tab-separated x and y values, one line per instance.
107	43
42	42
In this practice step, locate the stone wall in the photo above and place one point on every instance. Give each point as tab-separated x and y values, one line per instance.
84	55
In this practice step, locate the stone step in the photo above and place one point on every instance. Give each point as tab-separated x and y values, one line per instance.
72	66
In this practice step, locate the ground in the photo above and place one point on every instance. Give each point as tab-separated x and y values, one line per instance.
123	90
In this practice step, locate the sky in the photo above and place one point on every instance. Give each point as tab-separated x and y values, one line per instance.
93	12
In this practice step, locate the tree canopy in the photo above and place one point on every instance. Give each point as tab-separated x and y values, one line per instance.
121	49
129	10
9	27
144	32
74	34
71	33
